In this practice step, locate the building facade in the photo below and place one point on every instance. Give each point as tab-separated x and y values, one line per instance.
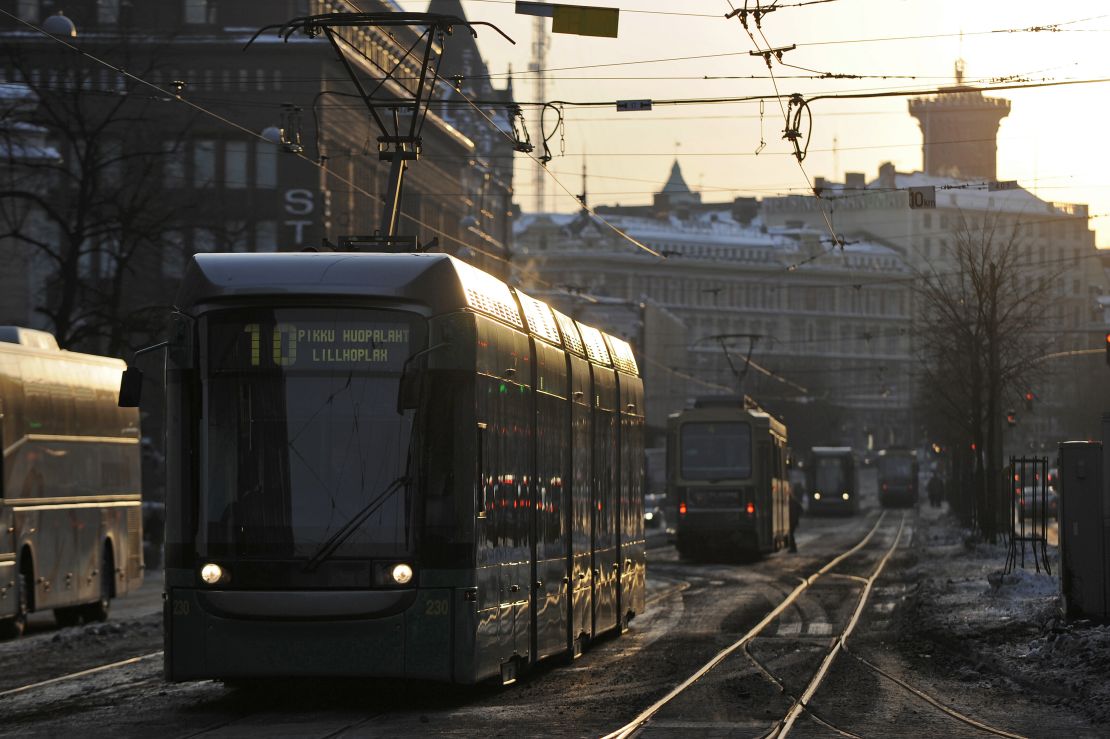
831	359
258	150
1050	241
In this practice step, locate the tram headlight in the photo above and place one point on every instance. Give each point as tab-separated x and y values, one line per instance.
212	573
844	496
817	496
402	574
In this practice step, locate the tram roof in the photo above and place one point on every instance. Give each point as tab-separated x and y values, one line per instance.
432	280
439	282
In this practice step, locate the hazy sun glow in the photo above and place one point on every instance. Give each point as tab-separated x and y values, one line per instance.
1050	142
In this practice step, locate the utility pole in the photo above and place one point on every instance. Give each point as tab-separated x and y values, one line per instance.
994	420
539	91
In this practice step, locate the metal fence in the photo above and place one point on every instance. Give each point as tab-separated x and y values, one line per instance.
1029	512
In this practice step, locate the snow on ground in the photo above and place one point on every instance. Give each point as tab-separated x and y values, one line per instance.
1006	627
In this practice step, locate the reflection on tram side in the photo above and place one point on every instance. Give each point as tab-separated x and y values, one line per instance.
393	465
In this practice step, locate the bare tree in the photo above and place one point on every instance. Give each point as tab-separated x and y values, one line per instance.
94	216
977	312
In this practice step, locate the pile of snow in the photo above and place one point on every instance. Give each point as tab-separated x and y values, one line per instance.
1023	584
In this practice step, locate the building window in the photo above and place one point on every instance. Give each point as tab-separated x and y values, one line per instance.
204	240
107	12
173	255
238	236
28	10
265	236
173	163
235	165
197	12
204	163
265	164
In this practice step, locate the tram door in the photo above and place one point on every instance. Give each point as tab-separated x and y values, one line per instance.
581	522
606	478
631	493
550	530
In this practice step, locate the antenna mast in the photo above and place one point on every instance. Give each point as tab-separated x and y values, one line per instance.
539	91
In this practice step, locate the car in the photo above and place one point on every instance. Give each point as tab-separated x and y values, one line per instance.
654	515
1028	500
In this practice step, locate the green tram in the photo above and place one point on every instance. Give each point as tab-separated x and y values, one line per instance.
726	472
70	488
392	465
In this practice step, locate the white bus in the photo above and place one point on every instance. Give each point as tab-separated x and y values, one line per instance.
70	500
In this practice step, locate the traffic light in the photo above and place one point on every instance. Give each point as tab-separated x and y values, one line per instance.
1108	348
1011	418
1028	397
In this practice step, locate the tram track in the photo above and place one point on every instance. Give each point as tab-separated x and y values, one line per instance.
80	674
801	702
648	713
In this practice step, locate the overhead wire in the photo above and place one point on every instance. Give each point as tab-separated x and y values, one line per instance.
884	39
249	132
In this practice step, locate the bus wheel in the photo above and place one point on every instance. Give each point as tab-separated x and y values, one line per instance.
98	611
14	627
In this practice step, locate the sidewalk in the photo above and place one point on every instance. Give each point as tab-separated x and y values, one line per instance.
989	628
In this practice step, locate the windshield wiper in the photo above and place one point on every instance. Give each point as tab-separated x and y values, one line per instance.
329	547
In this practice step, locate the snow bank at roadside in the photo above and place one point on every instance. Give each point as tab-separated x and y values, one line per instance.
1009	623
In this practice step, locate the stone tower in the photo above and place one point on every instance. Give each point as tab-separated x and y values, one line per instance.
960	127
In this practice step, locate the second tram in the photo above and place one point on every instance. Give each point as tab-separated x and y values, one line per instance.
897	477
726	472
831	480
392	465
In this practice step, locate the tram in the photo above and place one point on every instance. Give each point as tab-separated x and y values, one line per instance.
726	469
898	470
392	465
70	483
831	480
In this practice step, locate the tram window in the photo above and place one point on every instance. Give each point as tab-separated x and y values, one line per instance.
896	467
831	474
716	451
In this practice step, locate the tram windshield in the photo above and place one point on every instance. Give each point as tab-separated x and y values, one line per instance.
303	431
831	474
716	451
895	468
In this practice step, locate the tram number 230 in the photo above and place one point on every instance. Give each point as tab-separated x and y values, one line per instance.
436	607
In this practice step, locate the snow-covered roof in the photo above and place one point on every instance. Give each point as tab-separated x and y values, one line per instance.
975	195
715	238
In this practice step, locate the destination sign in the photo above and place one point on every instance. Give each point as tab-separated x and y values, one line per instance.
311	345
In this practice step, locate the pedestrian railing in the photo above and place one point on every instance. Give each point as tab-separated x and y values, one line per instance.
1029	510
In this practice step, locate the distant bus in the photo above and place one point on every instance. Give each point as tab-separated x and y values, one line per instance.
831	480
70	501
897	477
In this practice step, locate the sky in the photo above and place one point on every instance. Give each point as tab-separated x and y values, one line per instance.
1052	142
